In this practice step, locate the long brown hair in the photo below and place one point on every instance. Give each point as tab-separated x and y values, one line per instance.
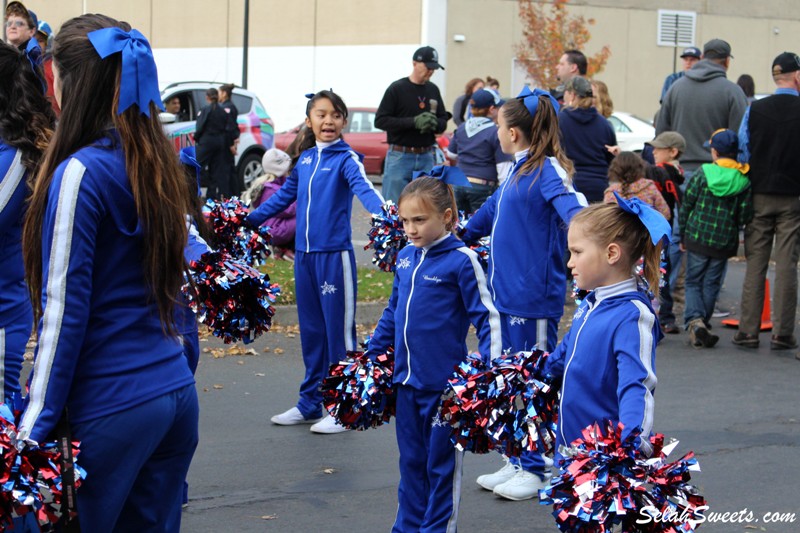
607	223
625	169
541	131
26	117
90	96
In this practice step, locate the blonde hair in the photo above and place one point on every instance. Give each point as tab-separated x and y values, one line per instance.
608	223
602	100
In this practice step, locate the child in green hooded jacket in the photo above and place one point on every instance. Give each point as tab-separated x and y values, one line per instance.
718	202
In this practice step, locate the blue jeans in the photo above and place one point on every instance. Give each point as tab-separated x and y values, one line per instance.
470	199
397	171
704	277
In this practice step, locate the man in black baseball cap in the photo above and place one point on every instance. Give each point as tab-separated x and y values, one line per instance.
412	113
769	139
429	56
689	56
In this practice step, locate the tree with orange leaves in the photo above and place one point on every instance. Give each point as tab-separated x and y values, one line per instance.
547	30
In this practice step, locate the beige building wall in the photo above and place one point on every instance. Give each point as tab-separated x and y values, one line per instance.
757	31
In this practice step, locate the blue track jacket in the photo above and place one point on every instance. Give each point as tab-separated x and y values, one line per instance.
608	363
437	293
14	299
323	183
101	346
527	219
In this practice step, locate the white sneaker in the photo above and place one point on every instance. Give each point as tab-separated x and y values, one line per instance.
292	417
490	481
523	486
327	426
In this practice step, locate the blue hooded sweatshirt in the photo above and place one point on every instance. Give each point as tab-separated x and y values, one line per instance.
438	291
323	182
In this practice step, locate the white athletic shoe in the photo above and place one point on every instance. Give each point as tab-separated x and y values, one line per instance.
327	426
292	417
523	486
490	481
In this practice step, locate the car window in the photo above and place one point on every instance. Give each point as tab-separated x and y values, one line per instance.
618	125
243	103
199	100
188	110
362	122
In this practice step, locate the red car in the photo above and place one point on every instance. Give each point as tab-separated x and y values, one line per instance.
359	132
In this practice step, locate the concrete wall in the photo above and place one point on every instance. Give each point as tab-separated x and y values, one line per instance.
358	47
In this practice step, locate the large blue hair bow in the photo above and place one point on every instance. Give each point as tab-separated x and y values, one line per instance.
34	55
657	226
448	175
139	79
188	158
531	99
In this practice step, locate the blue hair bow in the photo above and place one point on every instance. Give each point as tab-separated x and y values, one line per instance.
139	78
34	55
531	99
657	226
448	175
188	158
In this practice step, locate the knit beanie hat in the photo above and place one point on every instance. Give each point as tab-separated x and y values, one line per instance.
276	162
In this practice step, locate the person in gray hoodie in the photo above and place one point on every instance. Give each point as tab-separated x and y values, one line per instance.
701	101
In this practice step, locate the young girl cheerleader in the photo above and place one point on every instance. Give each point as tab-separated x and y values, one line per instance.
327	174
607	359
26	124
103	242
439	289
526	218
626	176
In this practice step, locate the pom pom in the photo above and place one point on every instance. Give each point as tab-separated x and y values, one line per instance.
386	237
31	478
506	406
358	391
605	481
482	246
234	236
233	299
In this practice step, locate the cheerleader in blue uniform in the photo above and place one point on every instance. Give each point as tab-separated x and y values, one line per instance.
104	242
26	124
527	219
323	180
607	360
439	290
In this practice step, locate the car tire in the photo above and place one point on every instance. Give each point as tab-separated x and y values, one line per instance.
249	168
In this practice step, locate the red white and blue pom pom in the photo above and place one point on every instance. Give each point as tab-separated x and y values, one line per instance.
386	237
506	406
234	236
230	297
31	477
358	391
482	246
606	482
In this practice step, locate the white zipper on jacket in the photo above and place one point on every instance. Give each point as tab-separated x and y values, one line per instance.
308	207
566	368
405	325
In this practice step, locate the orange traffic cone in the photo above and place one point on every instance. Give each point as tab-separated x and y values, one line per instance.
766	313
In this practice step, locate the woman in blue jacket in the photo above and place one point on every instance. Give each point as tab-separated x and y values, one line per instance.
439	290
322	182
104	241
26	124
586	137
